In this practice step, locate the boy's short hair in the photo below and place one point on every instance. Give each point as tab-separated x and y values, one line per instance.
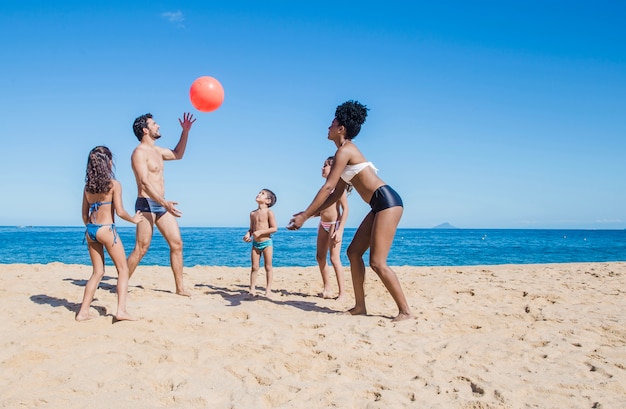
271	196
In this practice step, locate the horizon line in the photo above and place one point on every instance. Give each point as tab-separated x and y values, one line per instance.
351	228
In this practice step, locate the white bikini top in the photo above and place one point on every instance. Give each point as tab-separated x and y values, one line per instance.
352	170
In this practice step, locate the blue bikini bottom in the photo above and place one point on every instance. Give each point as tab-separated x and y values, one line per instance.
92	229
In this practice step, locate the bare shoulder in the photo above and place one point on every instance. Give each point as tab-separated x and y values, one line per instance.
354	154
155	152
117	186
262	213
269	215
344	154
161	150
139	152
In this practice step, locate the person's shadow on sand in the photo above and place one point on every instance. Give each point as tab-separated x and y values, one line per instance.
235	297
62	302
101	286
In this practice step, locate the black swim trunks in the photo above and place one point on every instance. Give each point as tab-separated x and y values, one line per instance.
383	198
147	205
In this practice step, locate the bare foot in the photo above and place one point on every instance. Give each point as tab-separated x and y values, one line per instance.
356	311
83	317
326	294
124	316
341	298
183	292
268	294
402	316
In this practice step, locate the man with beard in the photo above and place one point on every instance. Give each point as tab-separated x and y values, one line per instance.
148	161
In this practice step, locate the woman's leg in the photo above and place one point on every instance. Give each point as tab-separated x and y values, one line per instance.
359	245
118	255
96	253
383	231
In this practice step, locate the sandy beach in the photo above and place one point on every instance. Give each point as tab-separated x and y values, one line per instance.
508	336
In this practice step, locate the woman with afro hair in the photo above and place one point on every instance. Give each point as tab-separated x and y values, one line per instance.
379	226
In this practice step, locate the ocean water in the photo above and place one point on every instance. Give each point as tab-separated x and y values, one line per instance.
412	247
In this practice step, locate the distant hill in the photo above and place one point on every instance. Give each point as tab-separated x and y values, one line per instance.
445	226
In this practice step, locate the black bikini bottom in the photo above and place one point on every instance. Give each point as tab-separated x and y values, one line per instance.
383	198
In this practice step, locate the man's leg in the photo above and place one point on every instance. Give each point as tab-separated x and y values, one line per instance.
143	237
168	226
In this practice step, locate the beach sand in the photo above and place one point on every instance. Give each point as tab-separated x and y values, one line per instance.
509	336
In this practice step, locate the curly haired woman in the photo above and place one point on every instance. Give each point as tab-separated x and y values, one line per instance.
102	198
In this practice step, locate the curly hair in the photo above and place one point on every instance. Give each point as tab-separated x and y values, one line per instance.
99	170
271	196
140	123
351	114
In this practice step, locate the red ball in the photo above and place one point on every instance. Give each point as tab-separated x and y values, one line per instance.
206	94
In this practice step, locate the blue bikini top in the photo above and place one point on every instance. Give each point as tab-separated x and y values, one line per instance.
93	207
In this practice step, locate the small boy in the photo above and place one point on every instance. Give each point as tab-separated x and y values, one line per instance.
262	225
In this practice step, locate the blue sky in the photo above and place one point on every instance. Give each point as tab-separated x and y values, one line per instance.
483	114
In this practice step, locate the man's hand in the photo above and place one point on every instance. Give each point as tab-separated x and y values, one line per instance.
171	207
187	121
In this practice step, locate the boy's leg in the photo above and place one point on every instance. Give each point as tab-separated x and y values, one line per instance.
255	257
268	253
